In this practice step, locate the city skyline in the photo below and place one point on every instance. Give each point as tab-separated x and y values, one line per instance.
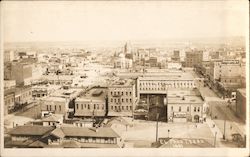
81	21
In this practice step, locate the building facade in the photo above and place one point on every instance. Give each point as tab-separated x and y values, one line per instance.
121	98
92	104
193	58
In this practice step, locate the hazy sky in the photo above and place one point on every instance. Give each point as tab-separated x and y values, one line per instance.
79	21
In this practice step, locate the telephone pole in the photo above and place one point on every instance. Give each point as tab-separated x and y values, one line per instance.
157	118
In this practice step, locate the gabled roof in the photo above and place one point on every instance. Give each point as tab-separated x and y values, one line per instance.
31	130
58	133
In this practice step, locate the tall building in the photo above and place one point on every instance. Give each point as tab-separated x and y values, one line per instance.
193	58
176	56
18	71
228	71
122	98
8	56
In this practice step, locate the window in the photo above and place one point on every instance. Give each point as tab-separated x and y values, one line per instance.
55	107
172	108
130	100
126	107
50	107
194	109
76	106
115	108
179	108
122	107
112	108
130	93
126	93
118	100
118	93
47	107
94	139
111	100
130	107
60	108
122	93
126	100
115	100
97	106
88	106
82	106
111	93
187	109
103	107
198	109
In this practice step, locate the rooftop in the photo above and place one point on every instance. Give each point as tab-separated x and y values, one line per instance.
170	76
123	82
31	130
185	99
93	94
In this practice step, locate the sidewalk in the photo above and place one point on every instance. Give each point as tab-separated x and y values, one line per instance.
214	129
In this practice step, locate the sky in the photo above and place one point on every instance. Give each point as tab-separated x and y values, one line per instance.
27	21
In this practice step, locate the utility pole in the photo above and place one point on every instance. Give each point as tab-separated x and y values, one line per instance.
157	118
215	139
224	135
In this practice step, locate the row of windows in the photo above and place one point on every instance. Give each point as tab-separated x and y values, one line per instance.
93	140
96	106
26	94
49	107
121	93
9	101
195	109
121	107
120	100
175	84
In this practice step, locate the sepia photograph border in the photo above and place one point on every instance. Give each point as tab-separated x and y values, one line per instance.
125	152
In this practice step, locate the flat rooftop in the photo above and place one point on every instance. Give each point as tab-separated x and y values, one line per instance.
123	82
172	76
186	100
93	94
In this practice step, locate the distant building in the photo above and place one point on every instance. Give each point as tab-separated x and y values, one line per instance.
121	98
92	104
241	103
222	69
122	62
193	58
176	56
9	56
18	71
8	84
